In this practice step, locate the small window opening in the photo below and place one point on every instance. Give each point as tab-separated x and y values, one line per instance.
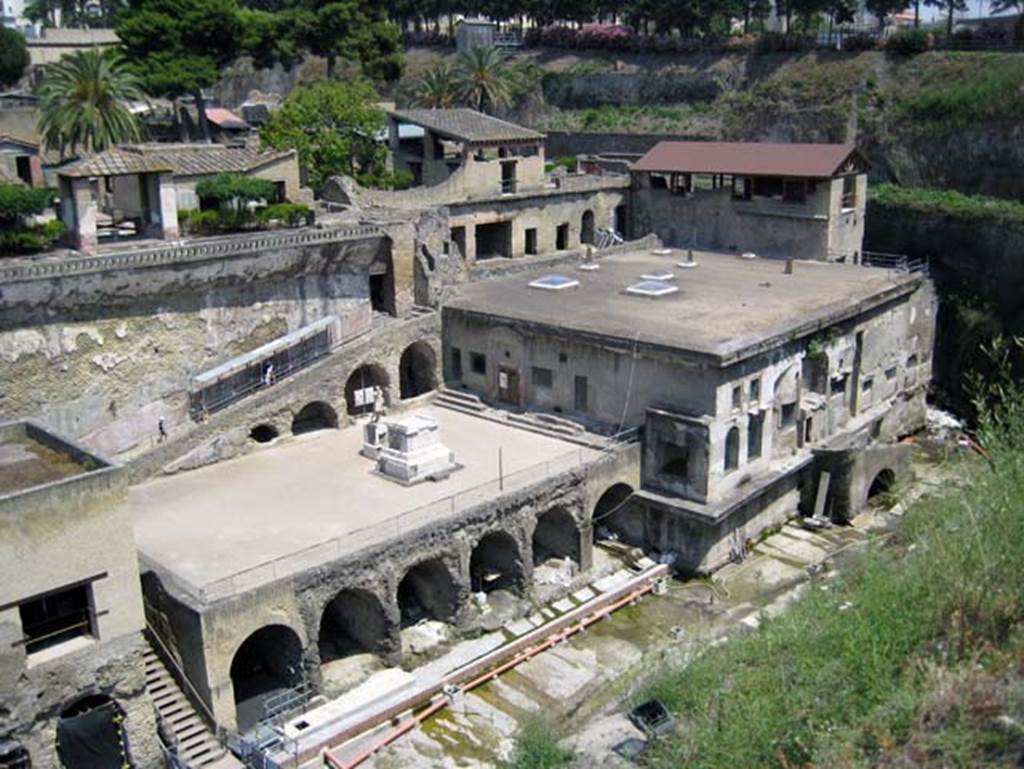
737	397
57	617
541	377
478	363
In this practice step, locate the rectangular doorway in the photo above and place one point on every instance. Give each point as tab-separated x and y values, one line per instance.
494	240
562	237
580	393
531	241
508	385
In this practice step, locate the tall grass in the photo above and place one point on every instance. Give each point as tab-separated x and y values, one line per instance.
839	678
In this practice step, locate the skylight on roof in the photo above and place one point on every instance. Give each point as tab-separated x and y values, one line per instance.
660	275
554	283
652	288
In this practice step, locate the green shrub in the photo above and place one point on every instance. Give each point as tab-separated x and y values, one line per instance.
537	748
18	201
30	240
948	203
234	189
292	214
204	222
846	670
908	42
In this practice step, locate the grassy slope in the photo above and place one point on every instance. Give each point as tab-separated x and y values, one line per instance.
914	658
973	208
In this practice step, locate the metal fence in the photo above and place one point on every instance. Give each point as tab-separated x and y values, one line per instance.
900	263
256	375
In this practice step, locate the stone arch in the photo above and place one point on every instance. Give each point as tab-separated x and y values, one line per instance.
417	370
495	563
556	535
361	380
314	416
881	484
266	663
427	591
353	622
587	227
264	433
732	449
615	518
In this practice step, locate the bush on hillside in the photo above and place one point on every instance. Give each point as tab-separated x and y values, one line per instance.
948	203
909	42
860	42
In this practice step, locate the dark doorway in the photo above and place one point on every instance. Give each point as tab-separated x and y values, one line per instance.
352	623
508	385
531	241
580	401
427	592
732	449
458	237
417	370
455	356
587	227
614	516
359	388
90	734
495	564
314	416
494	240
263	433
881	487
24	169
267	663
620	221
562	237
556	536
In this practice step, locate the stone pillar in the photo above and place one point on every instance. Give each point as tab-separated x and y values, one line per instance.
35	165
83	214
166	202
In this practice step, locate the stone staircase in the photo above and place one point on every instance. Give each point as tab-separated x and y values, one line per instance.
197	745
460	400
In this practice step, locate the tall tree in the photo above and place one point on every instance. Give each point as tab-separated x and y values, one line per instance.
82	102
357	28
179	46
334	128
950	8
14	58
882	9
438	88
484	78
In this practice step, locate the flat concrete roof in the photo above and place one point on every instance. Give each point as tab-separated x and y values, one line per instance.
727	307
215	522
32	456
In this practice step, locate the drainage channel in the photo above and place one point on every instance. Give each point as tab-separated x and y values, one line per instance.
408	708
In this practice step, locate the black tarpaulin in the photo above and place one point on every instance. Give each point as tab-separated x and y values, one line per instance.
91	740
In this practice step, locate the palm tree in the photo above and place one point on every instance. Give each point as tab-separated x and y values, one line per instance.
438	88
81	104
484	78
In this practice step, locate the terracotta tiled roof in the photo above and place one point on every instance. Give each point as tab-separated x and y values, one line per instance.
466	125
181	159
225	118
750	159
29	144
119	161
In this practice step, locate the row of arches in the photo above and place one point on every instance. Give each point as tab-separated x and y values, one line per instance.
417	370
356	622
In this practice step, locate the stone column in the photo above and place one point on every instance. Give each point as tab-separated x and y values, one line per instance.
166	202
84	207
35	165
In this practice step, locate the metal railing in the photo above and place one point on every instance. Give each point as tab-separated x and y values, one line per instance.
398	525
900	263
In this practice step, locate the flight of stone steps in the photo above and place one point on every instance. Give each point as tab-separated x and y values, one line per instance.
197	746
460	400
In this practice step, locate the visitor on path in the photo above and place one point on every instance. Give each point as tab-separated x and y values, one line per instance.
268	374
161	429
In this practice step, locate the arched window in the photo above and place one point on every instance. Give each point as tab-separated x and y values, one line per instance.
732	449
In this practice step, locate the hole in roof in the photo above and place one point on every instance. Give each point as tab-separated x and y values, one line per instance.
659	275
554	282
653	288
